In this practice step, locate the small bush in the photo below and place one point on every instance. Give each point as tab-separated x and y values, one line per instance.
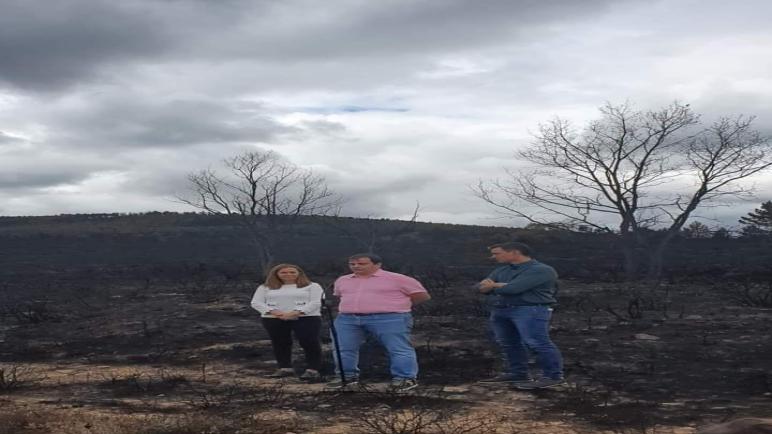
138	383
13	377
236	394
753	294
425	421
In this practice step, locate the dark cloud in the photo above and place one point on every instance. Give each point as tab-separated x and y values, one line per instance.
25	166
51	45
33	180
131	121
349	29
44	175
69	42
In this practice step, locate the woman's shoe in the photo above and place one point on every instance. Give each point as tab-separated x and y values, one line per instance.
311	375
282	372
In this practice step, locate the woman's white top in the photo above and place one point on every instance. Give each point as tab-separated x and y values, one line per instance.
307	299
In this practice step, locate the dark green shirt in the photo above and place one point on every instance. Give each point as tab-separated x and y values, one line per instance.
527	284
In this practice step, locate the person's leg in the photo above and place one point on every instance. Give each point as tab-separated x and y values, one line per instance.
307	332
393	332
509	341
533	324
281	340
350	337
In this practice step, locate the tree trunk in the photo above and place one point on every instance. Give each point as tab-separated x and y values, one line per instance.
628	246
630	262
263	241
656	256
654	271
265	259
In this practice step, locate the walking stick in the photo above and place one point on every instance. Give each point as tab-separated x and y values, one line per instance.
334	333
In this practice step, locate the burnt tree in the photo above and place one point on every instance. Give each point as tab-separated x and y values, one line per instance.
265	192
638	175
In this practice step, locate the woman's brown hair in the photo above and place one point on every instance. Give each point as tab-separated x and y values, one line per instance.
272	281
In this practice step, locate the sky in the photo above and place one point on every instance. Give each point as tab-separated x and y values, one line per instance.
106	106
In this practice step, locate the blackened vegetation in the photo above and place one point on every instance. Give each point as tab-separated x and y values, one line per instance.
751	293
190	246
682	351
148	316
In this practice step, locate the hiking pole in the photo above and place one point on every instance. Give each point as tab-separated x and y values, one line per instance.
334	333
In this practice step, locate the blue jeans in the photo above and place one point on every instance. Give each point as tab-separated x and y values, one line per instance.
521	328
392	331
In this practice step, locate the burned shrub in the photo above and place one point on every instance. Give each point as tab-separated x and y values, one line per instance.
15	376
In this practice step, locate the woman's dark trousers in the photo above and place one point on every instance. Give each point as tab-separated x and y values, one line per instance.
306	330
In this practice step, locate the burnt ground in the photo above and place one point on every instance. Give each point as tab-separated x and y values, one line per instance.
190	357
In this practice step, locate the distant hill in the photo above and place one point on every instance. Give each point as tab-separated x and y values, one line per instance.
178	241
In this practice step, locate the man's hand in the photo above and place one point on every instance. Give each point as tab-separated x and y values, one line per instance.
488	285
419	297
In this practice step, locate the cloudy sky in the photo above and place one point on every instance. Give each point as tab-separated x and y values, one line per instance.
106	105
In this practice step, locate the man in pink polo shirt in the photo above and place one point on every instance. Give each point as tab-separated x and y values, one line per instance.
378	302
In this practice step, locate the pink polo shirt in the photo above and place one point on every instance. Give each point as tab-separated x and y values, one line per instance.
382	291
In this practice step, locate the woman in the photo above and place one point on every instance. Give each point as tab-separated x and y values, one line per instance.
290	303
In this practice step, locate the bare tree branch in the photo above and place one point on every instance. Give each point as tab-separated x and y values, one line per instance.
265	191
630	167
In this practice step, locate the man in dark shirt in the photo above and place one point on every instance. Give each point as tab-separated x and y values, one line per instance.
522	294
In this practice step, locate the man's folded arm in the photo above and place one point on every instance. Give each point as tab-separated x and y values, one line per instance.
526	281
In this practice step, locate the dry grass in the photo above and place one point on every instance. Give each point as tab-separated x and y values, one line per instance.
25	421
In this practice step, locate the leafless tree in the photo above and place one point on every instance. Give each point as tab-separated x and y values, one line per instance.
631	172
416	212
265	191
697	229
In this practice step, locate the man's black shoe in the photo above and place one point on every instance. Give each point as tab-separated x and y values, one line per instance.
506	379
544	383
